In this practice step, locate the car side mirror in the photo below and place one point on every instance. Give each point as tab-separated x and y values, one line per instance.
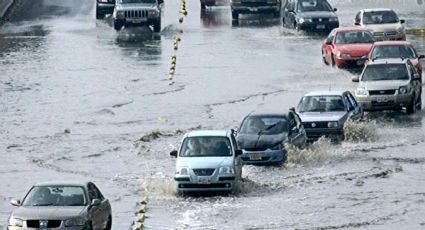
355	79
335	9
173	153
95	202
402	21
421	56
357	23
238	152
15	202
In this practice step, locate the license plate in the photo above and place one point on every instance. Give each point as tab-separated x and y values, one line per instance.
255	157
320	27
204	180
381	99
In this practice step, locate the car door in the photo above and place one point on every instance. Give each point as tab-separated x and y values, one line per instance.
95	212
105	206
357	19
329	44
417	86
302	133
295	135
355	111
238	162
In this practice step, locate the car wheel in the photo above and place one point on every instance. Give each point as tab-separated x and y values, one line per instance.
157	26
235	15
324	58
109	224
117	25
412	106
99	15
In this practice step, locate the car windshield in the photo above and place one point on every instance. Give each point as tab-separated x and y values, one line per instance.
267	125
55	196
384	72
208	146
328	103
380	17
313	5
138	1
393	51
351	37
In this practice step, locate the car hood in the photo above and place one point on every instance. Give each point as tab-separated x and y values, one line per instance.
253	141
204	162
382	85
48	213
317	14
356	50
321	116
136	6
384	27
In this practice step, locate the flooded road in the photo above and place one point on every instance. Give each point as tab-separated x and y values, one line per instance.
76	98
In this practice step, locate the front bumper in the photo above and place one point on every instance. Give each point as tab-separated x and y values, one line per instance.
384	102
318	26
136	21
263	157
254	9
335	134
213	183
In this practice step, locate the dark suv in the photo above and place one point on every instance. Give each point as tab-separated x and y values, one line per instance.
104	7
309	15
255	7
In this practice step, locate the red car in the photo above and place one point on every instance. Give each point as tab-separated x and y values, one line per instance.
396	49
345	46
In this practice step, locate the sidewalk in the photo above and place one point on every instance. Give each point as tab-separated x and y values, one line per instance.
4	6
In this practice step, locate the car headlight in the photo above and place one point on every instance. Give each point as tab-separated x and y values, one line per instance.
403	90
302	20
361	91
333	124
75	222
183	171
15	222
344	55
333	19
153	13
226	170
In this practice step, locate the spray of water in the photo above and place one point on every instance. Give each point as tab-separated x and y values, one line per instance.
360	131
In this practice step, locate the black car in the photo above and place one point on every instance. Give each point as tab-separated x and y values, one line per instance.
255	7
310	15
104	7
262	137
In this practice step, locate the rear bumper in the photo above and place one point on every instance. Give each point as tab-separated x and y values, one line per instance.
255	9
318	26
267	156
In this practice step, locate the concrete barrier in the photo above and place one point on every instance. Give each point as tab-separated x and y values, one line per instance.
4	6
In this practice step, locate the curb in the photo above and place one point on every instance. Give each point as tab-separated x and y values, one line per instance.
4	6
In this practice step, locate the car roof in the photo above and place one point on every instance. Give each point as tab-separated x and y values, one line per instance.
63	183
326	93
350	28
206	133
377	9
388	43
388	61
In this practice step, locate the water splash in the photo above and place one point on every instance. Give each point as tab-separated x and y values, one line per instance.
360	131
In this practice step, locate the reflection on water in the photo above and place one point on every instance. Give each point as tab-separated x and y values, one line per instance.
255	20
215	18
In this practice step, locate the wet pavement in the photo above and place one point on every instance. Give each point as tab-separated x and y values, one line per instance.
76	97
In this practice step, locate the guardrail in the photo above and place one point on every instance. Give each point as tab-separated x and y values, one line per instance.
4	6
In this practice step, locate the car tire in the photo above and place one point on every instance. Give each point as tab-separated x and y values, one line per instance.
157	26
411	109
109	224
117	25
99	15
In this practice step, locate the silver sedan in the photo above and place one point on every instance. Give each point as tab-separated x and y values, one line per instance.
62	205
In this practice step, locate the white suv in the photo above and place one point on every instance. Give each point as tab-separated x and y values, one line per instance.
383	23
389	84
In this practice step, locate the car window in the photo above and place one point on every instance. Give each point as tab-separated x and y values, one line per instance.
352	100
357	18
382	72
55	196
393	51
313	5
380	17
327	103
208	146
331	36
94	192
266	125
352	37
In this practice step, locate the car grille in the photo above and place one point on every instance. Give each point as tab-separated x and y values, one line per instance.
50	223
382	34
136	13
262	159
315	125
320	19
203	172
217	185
386	103
382	92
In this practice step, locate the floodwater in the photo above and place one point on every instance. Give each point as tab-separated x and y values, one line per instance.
76	97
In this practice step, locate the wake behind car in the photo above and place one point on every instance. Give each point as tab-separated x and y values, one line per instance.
383	23
309	15
137	13
255	7
347	46
389	84
324	113
104	7
62	205
208	161
396	49
263	137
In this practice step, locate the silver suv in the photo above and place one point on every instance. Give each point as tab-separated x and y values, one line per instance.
138	13
389	84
